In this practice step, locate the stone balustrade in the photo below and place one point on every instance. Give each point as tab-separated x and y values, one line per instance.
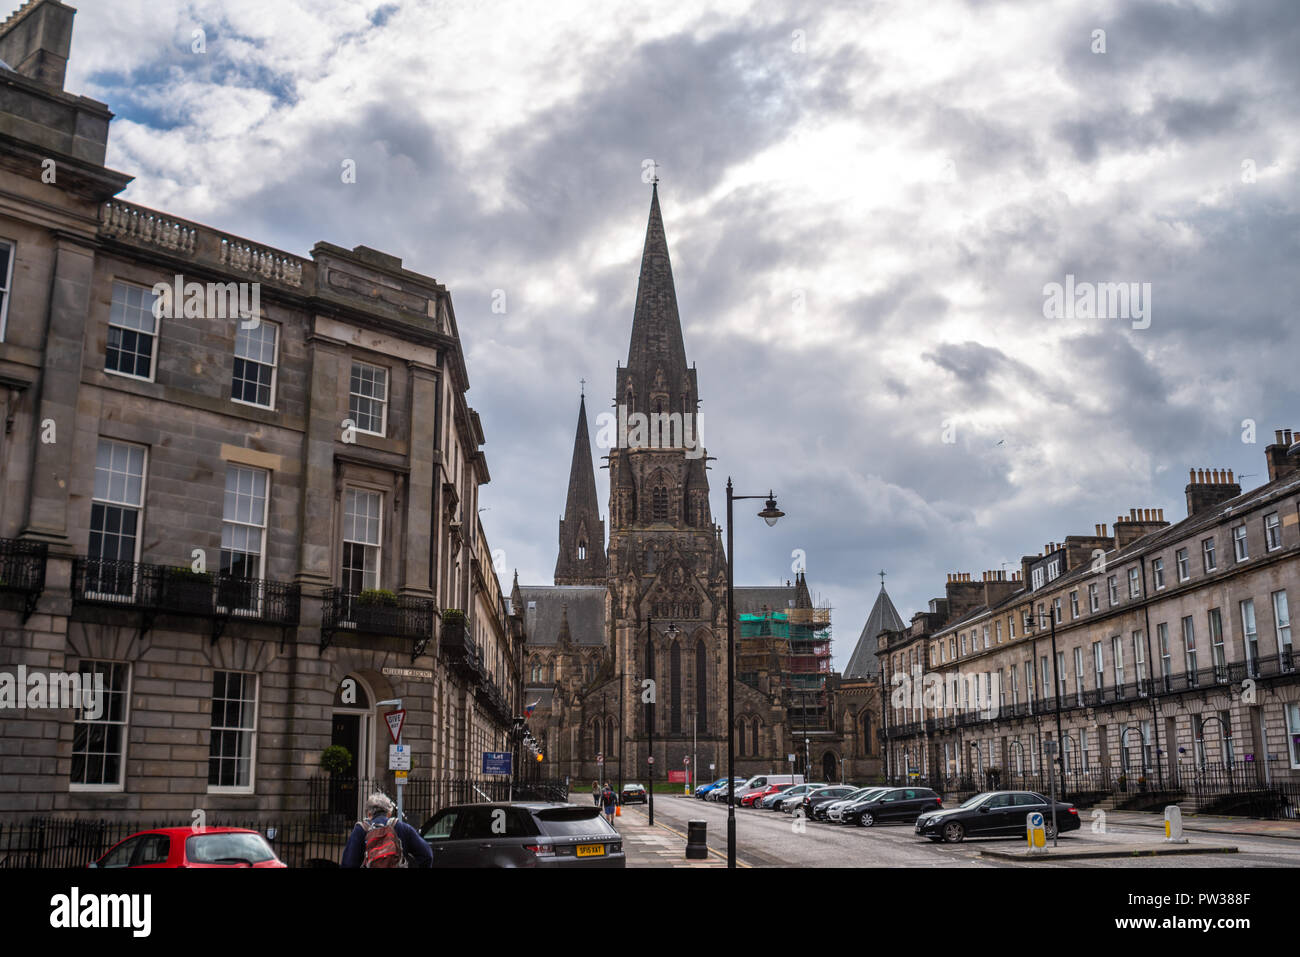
146	227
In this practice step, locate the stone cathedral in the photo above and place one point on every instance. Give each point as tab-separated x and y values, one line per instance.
650	601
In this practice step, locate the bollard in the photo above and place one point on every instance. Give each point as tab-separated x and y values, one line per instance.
697	848
1036	833
1174	825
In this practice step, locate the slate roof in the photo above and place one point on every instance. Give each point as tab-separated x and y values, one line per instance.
544	606
751	599
883	617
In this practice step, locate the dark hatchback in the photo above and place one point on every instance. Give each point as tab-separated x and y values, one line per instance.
995	814
815	799
523	834
894	805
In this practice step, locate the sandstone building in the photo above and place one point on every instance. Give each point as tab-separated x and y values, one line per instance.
254	527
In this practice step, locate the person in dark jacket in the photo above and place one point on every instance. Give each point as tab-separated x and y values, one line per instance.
610	800
379	808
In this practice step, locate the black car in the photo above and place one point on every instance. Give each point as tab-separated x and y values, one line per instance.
633	794
995	814
523	834
894	805
814	799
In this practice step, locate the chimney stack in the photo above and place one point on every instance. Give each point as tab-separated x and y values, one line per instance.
1279	463
35	41
1140	523
1211	488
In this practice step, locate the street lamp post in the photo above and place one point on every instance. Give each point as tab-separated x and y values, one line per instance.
769	514
654	694
1037	617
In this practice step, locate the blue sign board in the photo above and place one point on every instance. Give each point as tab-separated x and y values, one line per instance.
497	762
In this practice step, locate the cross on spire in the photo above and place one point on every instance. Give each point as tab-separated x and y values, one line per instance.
881	573
583	383
655	177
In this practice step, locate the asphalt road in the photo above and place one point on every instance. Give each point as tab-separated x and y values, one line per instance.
771	839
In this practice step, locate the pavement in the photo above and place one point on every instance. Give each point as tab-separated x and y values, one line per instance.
1287	830
1090	853
662	845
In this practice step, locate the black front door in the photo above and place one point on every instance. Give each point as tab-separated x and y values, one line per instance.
343	787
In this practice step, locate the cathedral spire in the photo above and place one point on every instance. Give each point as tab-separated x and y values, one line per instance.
582	533
656	372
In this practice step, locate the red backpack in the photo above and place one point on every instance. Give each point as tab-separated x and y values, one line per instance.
383	846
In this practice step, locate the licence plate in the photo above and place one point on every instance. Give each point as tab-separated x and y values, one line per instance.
591	850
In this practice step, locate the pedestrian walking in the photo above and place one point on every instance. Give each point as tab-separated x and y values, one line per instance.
610	802
595	793
380	840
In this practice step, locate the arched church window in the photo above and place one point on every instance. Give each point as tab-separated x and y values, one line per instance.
701	688
582	551
659	498
675	687
753	737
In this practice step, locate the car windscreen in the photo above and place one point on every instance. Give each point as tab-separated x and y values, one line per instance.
227	848
976	801
575	822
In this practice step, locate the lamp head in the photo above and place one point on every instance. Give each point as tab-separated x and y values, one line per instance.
770	512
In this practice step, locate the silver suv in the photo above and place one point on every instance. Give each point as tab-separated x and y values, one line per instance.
523	834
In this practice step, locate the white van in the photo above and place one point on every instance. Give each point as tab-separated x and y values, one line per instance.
760	782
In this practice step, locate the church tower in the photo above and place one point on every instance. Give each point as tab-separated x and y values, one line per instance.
581	560
666	563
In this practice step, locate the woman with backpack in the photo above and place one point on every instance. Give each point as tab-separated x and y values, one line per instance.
381	841
611	803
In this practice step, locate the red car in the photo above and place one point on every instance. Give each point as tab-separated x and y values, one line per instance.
191	847
753	797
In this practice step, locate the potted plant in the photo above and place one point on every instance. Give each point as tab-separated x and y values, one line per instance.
453	628
335	759
186	590
375	609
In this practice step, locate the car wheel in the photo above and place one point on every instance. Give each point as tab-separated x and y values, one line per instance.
1050	830
954	832
867	819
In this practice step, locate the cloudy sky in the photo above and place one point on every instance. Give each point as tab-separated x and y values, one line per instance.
864	203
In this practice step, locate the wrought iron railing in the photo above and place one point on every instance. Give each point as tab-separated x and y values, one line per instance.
159	589
22	570
396	616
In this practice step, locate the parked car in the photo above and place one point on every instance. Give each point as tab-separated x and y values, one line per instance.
633	794
995	814
777	802
719	793
704	790
187	847
823	811
891	806
753	798
814	799
523	834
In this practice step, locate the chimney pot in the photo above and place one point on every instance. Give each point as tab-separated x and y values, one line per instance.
1229	476
1277	436
1191	476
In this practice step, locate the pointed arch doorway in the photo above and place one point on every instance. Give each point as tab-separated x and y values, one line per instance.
830	767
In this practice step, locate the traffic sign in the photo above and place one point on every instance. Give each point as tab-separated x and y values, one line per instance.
400	776
395	720
399	757
600	759
651	759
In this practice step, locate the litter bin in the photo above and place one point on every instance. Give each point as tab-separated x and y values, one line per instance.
697	847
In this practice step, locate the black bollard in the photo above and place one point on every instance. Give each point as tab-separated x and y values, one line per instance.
696	840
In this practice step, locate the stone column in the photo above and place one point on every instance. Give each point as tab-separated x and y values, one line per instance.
65	337
420	517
